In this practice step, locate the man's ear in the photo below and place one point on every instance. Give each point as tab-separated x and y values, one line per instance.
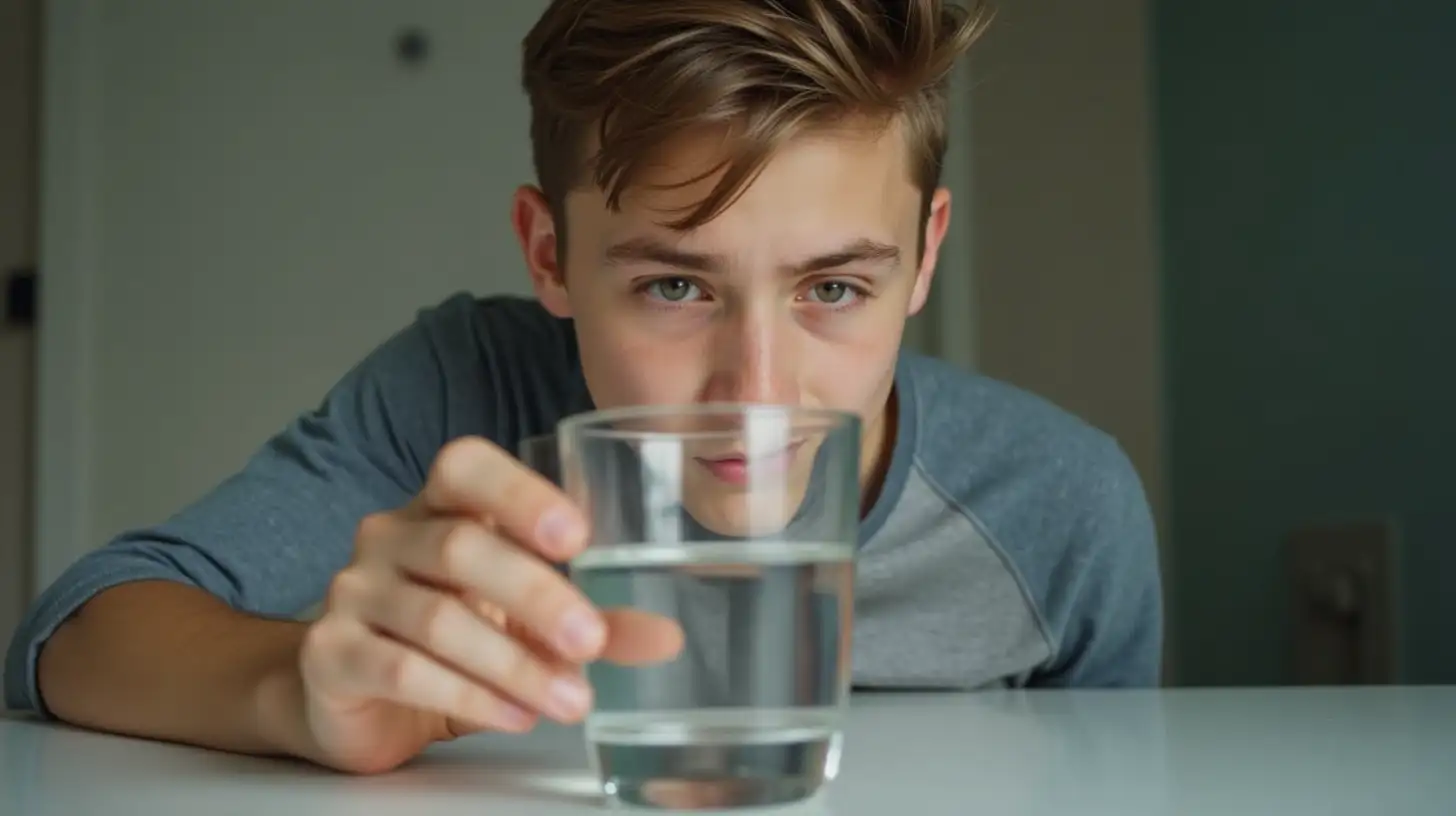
535	229
936	223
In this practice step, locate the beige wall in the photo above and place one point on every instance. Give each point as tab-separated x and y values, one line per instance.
1064	237
18	19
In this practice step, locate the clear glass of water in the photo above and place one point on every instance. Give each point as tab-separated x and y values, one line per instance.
738	523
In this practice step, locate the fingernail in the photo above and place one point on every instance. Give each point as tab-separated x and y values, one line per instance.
512	718
581	633
569	697
559	531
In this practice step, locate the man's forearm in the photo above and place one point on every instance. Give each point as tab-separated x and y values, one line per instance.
167	661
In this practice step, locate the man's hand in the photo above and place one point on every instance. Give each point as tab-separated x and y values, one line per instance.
450	619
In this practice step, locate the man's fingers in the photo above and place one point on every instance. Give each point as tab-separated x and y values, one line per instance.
637	638
529	592
442	626
474	477
346	659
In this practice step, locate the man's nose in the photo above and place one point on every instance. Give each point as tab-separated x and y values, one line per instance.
754	361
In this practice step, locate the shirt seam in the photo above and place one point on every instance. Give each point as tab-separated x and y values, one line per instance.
1009	564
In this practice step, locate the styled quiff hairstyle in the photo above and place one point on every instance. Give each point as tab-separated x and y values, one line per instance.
612	81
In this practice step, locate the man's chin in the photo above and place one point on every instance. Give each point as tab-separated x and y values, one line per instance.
744	515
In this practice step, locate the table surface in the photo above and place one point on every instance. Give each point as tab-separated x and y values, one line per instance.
1181	751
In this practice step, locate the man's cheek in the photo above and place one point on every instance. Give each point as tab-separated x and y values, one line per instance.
653	378
846	385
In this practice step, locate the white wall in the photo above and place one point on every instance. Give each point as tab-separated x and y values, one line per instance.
241	199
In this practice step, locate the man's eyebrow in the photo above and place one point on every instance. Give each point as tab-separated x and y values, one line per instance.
862	251
650	250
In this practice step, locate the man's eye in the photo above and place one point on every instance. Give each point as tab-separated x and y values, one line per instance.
832	292
672	290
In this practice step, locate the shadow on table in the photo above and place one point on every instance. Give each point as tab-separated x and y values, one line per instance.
549	767
476	766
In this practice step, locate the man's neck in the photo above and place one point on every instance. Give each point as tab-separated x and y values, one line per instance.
876	452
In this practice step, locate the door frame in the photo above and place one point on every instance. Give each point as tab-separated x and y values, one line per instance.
952	304
68	257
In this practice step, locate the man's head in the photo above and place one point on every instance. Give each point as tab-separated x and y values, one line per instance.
739	199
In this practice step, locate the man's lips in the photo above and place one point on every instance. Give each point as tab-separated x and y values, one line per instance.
738	468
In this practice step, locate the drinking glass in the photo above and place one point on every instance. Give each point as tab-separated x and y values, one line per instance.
737	526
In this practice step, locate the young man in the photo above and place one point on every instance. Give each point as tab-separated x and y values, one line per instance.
739	201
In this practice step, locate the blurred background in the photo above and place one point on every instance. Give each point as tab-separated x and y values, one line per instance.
1219	231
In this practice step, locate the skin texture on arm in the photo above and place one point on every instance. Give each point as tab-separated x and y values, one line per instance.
204	674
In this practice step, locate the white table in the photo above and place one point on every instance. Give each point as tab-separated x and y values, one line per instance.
1230	752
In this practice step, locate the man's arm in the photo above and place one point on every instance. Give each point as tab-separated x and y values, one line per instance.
170	631
1113	634
203	673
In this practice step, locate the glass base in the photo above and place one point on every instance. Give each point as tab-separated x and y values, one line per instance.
715	776
708	794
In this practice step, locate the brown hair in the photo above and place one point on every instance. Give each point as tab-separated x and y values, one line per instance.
623	77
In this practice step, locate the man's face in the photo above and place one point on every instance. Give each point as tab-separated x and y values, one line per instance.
796	294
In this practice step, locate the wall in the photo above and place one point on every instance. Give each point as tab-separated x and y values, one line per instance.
18	37
241	200
1063	238
1311	265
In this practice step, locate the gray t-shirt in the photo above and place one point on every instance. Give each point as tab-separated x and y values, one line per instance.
1011	543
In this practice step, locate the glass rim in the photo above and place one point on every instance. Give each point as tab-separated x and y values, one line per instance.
591	423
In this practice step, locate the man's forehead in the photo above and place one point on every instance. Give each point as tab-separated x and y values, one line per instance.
694	161
818	180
